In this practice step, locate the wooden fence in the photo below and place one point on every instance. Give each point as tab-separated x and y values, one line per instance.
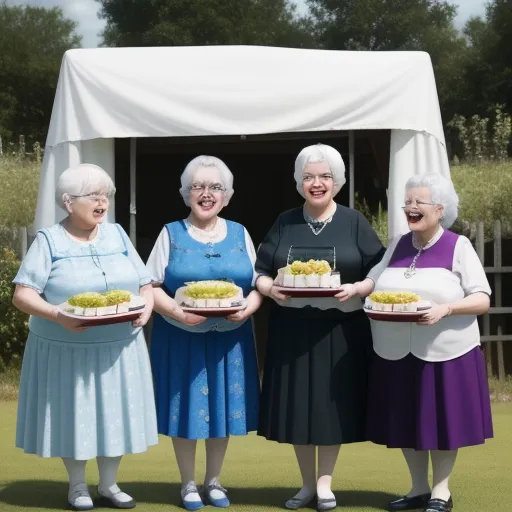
494	342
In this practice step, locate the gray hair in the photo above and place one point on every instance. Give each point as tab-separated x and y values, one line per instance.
206	161
316	154
442	192
83	179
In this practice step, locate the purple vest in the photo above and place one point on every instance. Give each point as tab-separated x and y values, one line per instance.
440	255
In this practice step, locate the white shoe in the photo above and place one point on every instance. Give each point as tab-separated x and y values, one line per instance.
114	497
79	497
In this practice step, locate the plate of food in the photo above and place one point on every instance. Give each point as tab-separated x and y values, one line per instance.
313	278
387	306
111	307
211	298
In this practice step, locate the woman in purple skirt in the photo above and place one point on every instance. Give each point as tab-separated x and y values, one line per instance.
428	387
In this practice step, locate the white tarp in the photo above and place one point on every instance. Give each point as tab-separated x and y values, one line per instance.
107	93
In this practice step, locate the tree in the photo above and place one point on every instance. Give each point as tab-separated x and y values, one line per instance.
425	25
32	43
202	22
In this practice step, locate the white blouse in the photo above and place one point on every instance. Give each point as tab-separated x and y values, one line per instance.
159	258
452	336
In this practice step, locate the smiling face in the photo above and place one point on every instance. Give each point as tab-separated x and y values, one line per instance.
421	213
89	210
318	185
207	193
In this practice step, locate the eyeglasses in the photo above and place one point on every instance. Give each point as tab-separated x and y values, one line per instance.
94	198
214	188
417	202
324	178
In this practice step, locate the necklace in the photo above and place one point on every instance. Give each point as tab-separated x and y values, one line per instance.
412	267
204	233
316	226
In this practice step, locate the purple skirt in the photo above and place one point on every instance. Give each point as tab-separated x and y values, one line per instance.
429	406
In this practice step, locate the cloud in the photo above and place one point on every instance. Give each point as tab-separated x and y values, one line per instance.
85	12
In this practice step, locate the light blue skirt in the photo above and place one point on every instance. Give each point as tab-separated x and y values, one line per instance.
82	400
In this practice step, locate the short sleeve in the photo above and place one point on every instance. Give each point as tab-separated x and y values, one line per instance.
377	270
159	257
36	266
369	245
144	276
249	247
467	265
266	251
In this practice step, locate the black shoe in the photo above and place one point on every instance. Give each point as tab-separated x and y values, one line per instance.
409	503
437	505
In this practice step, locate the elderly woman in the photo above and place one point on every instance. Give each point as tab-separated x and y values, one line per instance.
315	376
84	393
205	370
428	387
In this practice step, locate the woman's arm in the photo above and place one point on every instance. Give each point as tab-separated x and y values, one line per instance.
265	286
254	301
29	301
475	304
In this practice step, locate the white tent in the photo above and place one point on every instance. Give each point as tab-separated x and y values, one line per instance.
109	93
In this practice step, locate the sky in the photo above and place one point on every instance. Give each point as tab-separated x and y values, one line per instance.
89	26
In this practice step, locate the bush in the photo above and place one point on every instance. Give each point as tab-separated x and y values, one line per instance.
14	323
19	178
484	195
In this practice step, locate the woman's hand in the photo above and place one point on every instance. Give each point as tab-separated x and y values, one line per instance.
190	319
347	292
277	295
71	324
434	314
145	291
254	301
143	319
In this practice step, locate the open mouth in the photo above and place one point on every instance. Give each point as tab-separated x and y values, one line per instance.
414	217
206	204
317	194
99	211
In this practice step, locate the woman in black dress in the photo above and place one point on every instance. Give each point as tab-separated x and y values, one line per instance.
318	350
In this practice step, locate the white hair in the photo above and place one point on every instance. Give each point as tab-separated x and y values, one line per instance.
83	179
316	154
442	192
187	176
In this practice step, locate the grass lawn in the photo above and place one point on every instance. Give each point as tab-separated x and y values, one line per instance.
261	475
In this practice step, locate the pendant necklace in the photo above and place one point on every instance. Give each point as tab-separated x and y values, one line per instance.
317	226
409	272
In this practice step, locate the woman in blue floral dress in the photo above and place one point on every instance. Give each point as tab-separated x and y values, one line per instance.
84	393
205	370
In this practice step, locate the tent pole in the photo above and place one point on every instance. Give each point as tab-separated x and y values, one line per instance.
351	184
133	191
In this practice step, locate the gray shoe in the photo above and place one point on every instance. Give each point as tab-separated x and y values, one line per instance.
326	504
296	503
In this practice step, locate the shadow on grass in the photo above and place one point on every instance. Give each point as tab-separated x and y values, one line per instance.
53	495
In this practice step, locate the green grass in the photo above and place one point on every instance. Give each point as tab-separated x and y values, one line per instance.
261	475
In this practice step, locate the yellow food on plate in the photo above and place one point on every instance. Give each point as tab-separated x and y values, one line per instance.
209	294
393	301
111	302
308	274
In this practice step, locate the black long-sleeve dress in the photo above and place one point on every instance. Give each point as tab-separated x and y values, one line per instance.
316	366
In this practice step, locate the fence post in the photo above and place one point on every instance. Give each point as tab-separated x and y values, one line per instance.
480	249
22	241
498	296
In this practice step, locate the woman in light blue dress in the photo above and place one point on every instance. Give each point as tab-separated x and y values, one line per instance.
84	393
205	370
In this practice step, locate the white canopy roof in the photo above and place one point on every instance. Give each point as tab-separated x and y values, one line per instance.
107	93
